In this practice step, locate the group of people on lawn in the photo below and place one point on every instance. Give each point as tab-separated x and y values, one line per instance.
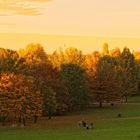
84	124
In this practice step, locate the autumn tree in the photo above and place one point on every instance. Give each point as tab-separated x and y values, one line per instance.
57	58
137	56
105	85
19	97
50	78
32	56
68	56
115	52
8	60
90	63
137	59
42	67
129	73
105	49
36	64
73	56
53	80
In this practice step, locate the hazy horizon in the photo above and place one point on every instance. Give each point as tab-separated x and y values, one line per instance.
87	44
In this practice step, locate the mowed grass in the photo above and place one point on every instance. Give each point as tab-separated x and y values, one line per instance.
107	125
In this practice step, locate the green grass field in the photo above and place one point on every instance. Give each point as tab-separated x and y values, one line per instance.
107	125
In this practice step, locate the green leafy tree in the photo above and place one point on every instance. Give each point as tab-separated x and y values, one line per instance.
74	78
49	102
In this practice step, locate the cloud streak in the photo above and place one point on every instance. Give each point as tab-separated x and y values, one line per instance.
21	7
7	24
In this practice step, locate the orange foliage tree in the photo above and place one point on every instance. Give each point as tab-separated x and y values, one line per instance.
19	97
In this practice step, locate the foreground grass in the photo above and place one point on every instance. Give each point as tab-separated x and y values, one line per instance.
114	130
107	126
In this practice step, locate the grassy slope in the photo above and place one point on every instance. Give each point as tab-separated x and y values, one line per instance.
107	126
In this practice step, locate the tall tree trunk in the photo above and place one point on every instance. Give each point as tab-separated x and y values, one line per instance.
35	118
24	121
3	120
50	114
100	104
126	99
19	119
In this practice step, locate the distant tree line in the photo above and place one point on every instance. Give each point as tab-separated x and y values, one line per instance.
34	83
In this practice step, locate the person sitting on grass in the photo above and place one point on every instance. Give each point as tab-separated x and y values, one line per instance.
84	123
91	125
119	115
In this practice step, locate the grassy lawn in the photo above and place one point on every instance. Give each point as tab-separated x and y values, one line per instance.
107	126
134	99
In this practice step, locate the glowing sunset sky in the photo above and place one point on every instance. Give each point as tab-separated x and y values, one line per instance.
80	17
113	18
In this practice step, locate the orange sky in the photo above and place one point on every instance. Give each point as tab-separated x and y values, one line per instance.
100	18
76	17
